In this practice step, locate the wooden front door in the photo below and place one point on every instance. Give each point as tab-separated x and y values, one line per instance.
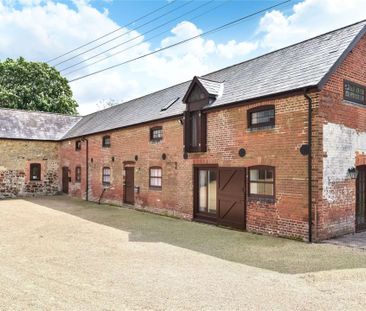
65	179
129	196
231	197
361	199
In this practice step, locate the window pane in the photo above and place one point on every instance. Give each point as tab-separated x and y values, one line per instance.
268	189
254	188
269	175
194	129
212	191
254	174
354	92
155	177
260	117
155	172
157	133
262	181
202	191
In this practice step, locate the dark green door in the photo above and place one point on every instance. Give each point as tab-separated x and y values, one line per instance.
361	199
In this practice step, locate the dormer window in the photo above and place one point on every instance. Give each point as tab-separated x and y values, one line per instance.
201	93
195	131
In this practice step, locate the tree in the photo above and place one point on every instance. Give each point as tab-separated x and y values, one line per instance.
34	86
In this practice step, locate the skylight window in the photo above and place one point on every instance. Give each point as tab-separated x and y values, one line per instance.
168	105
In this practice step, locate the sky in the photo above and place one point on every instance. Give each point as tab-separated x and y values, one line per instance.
41	30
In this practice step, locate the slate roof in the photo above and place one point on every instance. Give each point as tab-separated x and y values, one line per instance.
305	64
20	124
298	66
212	87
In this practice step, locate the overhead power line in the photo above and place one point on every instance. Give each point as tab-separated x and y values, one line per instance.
112	32
125	33
139	36
227	25
144	41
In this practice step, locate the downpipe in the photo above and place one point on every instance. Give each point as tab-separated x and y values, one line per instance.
86	167
310	203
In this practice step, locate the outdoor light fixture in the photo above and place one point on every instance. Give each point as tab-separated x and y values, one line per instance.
352	173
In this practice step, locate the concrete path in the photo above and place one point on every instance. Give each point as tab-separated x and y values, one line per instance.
62	254
357	240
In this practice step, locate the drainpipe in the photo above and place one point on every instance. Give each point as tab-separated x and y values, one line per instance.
86	168
310	212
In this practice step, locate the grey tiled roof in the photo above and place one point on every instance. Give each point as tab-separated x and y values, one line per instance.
212	87
298	66
20	124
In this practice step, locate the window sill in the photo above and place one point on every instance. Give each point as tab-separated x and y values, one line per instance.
268	128
35	180
259	198
155	141
349	102
155	188
106	146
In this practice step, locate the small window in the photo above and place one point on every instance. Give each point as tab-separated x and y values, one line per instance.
354	92
106	177
156	133
155	177
78	174
35	171
261	181
261	117
106	141
78	145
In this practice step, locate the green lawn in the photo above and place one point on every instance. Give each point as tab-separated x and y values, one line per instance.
277	254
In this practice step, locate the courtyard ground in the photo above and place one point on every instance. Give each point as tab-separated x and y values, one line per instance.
58	253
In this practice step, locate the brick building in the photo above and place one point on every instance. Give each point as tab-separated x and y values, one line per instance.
272	145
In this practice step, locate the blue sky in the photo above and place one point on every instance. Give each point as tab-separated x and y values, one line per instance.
42	29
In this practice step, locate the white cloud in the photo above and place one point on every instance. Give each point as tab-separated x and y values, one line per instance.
233	48
41	29
309	18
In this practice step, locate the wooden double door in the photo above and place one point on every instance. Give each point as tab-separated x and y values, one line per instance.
219	196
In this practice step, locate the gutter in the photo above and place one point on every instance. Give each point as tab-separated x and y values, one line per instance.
86	167
310	204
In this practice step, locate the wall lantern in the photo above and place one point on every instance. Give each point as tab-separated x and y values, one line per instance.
352	173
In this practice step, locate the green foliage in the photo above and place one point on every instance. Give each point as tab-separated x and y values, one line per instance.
34	86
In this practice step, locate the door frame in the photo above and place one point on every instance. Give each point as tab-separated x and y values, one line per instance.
202	216
359	228
128	167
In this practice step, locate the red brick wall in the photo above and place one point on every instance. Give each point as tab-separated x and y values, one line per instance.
343	125
227	132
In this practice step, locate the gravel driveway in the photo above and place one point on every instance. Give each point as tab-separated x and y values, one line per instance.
65	254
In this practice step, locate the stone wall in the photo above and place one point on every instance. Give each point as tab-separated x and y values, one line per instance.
15	159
